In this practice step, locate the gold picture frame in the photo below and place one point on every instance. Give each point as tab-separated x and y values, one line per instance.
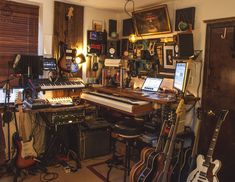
152	21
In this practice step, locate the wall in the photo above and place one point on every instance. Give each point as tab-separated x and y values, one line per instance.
97	14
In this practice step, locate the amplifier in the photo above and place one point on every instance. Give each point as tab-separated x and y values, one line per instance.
94	142
67	117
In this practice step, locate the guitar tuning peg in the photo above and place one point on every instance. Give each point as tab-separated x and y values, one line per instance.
210	113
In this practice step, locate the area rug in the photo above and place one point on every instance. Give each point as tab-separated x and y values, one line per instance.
101	169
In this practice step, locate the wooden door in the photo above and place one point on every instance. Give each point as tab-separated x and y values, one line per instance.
219	93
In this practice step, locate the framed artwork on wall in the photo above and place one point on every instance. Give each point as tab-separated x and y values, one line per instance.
185	15
97	25
169	62
152	21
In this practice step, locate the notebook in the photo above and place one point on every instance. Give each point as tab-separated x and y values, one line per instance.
151	84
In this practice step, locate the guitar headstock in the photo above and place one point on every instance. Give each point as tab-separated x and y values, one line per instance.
180	107
223	114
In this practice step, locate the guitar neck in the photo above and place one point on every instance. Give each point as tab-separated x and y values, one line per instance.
161	136
22	123
173	136
210	152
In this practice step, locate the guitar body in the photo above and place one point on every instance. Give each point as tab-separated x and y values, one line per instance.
160	175
25	152
203	173
137	170
188	164
146	169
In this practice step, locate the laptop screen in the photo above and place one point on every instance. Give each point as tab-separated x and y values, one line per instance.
152	84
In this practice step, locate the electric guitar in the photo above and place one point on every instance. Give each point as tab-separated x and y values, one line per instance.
190	154
25	152
164	171
206	170
67	61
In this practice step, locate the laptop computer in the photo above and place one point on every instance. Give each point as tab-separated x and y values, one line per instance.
151	85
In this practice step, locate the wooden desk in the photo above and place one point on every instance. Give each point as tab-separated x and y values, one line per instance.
158	98
57	109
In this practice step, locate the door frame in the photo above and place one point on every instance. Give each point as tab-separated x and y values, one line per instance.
216	23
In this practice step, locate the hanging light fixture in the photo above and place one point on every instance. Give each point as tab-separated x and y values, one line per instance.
132	37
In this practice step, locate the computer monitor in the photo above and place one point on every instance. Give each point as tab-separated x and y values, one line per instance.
180	78
49	64
31	65
151	84
14	94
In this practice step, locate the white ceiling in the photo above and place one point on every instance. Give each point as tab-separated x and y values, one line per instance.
117	5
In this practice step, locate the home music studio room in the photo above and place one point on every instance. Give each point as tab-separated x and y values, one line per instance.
101	30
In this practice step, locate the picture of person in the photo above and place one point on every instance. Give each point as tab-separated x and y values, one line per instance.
169	62
169	57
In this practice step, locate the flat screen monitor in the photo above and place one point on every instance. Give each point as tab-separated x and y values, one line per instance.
14	93
49	64
151	84
31	65
180	78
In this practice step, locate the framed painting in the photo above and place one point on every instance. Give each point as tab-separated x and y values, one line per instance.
152	21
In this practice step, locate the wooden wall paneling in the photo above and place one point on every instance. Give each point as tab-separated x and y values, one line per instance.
18	32
69	31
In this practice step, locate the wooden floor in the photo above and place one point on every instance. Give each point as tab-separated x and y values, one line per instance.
83	175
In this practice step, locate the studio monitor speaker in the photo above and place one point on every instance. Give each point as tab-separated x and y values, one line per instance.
113	49
184	45
112	27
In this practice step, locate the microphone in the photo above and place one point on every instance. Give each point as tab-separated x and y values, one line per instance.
16	61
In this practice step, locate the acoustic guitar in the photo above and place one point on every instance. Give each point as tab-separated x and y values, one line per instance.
25	152
144	170
207	169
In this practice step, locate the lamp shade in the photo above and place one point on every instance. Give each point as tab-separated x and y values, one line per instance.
80	58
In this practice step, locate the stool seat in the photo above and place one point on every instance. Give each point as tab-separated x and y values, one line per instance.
127	129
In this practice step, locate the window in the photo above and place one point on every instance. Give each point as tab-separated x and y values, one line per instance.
18	33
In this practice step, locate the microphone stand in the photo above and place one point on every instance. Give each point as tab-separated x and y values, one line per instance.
7	113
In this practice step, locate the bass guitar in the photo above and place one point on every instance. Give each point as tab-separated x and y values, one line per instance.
25	152
206	170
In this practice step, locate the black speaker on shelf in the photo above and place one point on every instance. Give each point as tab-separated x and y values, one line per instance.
113	49
127	27
184	45
112	26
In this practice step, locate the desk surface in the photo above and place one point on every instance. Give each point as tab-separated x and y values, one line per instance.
160	98
49	109
58	109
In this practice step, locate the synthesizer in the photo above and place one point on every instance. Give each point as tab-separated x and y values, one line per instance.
60	101
46	84
123	104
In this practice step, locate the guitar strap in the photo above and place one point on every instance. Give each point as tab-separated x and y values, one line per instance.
2	143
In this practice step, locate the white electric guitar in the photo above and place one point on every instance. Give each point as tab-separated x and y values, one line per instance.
207	169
